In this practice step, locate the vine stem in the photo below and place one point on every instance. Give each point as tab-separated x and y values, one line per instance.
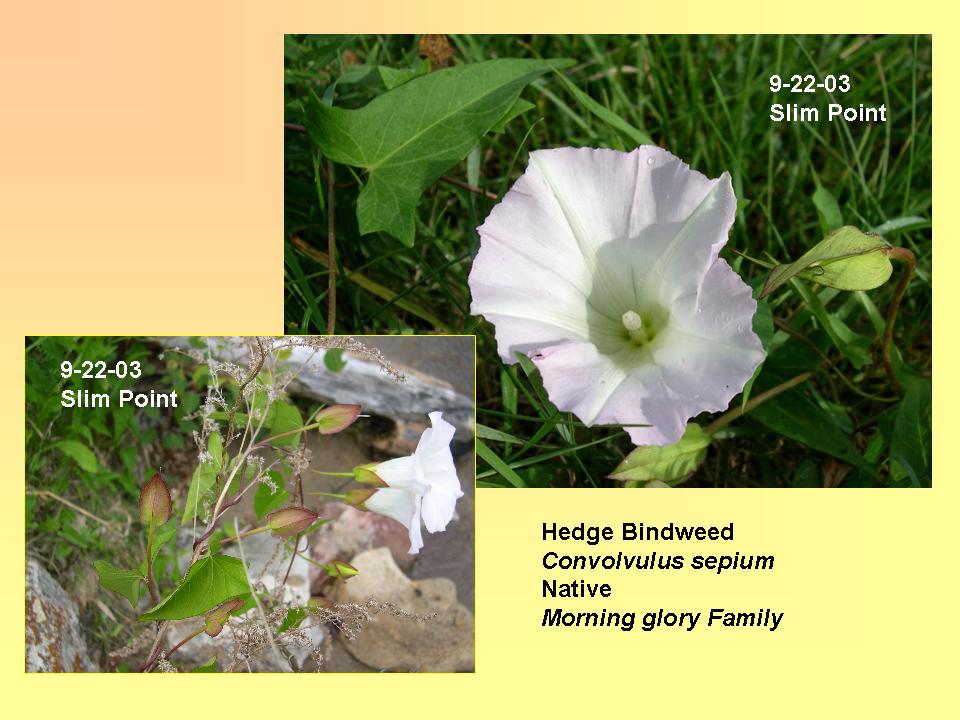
296	541
267	441
155	650
176	647
151	585
243	386
829	364
241	536
909	259
470	188
338	496
731	415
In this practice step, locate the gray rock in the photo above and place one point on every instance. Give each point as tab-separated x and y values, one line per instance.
441	643
54	641
353	531
361	381
267	563
293	654
337	659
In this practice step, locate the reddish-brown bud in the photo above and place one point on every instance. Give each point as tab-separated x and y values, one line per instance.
358	496
217	618
291	521
155	503
334	418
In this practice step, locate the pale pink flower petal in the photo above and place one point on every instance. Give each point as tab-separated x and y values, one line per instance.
595	264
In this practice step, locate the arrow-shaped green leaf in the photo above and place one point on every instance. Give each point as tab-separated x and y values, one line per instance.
409	136
126	582
210	582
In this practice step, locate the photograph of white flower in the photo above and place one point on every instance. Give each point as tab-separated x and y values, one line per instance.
419	489
294	504
698	261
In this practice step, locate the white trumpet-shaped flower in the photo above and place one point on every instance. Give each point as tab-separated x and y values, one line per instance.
603	267
422	487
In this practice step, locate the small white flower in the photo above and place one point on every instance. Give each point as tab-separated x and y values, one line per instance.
420	487
603	267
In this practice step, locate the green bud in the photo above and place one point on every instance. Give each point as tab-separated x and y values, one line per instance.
341	569
358	496
217	618
846	259
334	418
155	503
668	464
291	521
365	475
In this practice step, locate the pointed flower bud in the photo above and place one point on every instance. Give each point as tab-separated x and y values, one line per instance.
291	521
365	475
334	418
217	618
155	503
341	569
358	496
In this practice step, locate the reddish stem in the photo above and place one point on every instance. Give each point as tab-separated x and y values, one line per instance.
910	261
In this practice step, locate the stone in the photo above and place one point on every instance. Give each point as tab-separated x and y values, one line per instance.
291	655
361	381
337	659
353	531
443	642
54	640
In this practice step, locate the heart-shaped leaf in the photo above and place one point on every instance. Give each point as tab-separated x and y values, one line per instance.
409	136
126	582
285	418
210	582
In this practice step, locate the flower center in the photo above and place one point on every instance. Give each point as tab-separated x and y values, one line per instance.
641	329
633	324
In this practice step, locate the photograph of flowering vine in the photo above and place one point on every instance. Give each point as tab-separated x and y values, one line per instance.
250	504
688	260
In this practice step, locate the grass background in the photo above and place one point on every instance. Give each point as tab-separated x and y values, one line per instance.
706	99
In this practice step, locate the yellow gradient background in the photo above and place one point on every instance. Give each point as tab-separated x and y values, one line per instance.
141	192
